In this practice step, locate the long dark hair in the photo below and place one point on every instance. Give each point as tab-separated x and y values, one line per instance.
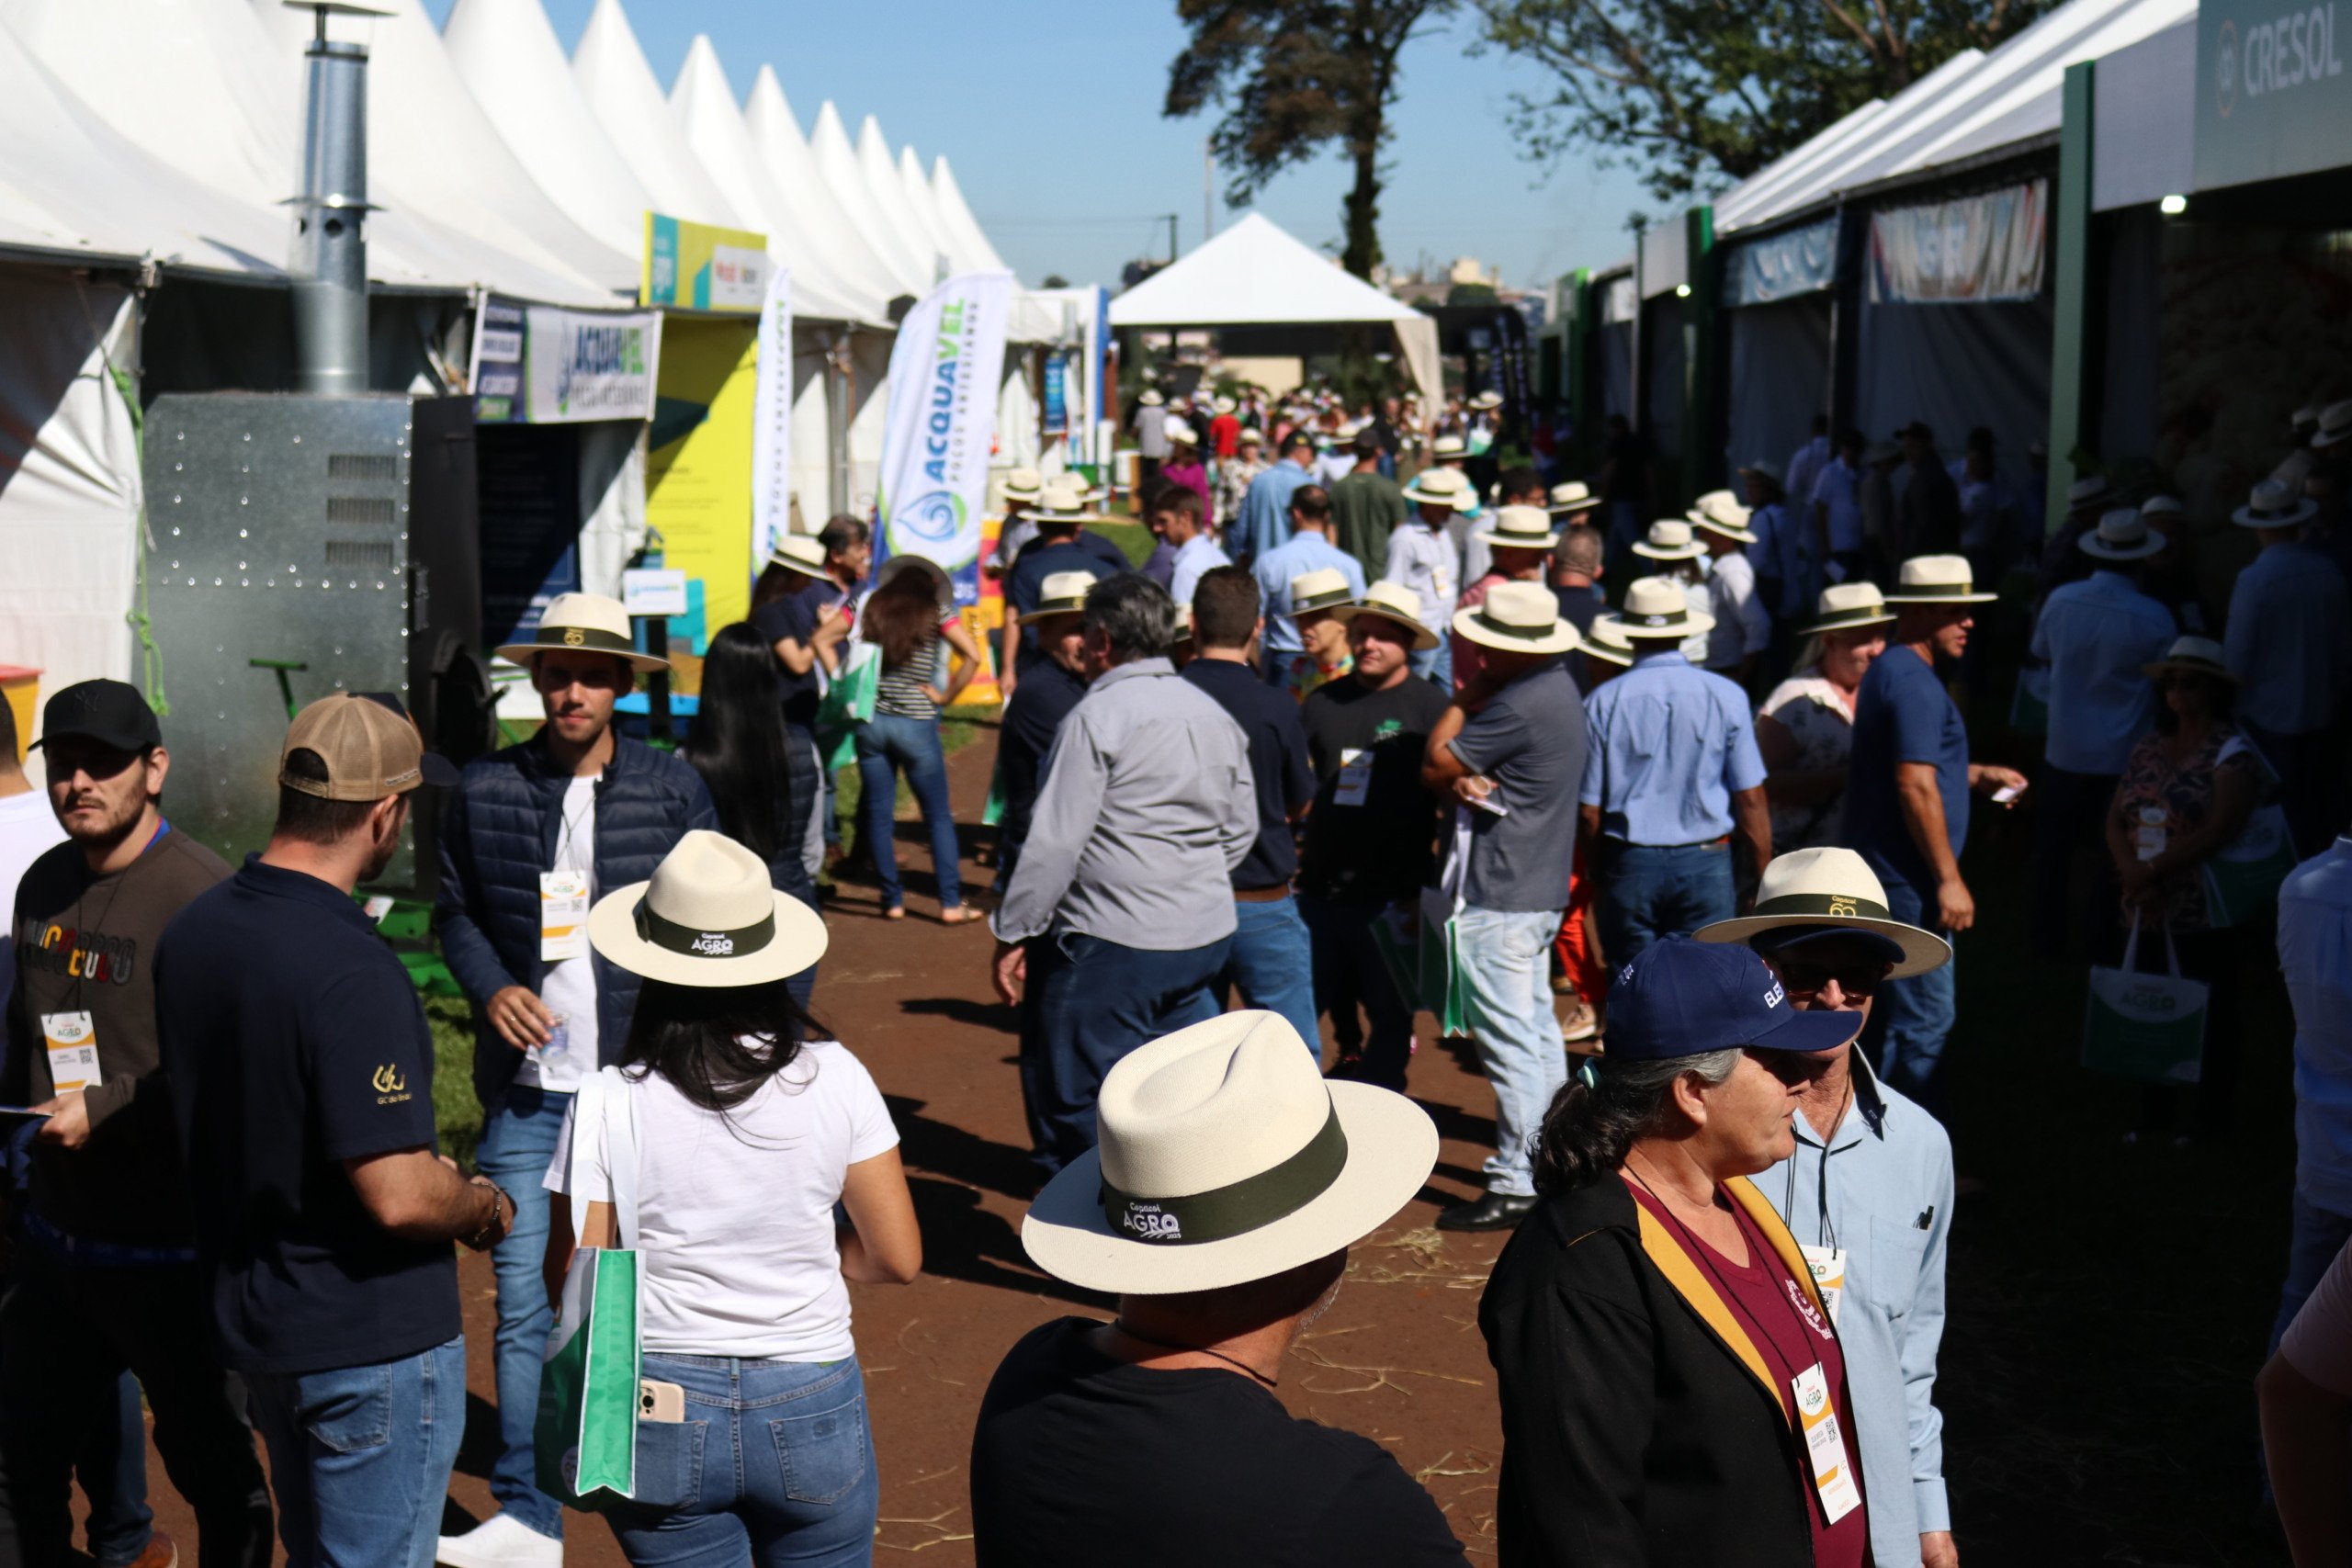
1604	1107
775	582
717	1045
902	617
736	742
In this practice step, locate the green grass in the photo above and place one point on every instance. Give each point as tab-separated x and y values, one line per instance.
1134	539
455	1109
959	727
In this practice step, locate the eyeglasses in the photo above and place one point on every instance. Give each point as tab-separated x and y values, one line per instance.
1790	1068
1857	980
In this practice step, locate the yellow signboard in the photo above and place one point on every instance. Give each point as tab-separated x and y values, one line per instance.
693	267
698	469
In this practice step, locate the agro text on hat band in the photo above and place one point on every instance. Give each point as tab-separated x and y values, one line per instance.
1831	904
697	943
1252	1203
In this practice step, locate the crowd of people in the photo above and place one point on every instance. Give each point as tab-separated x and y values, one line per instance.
1681	863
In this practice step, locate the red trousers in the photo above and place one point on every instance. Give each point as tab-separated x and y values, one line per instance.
1579	959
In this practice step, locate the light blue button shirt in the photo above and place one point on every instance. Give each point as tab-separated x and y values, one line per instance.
1668	748
2095	635
1887	1169
1199	555
2289	641
1264	521
2315	955
1274	570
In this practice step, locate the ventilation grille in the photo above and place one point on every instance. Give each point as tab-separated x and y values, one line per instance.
360	509
382	468
350	555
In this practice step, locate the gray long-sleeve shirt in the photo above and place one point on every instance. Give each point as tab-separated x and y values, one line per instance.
1147	808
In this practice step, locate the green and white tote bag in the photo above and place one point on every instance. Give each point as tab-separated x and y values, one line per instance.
1443	993
586	1432
2150	1027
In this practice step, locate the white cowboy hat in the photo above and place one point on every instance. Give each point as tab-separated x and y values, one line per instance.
2121	535
1442	487
1391	602
1222	404
1325	588
1448	446
590	623
1844	606
2334	425
1719	511
1522	617
1180	434
1021	484
1604	641
1151	397
802	553
2162	506
1830	887
1062	594
1520	528
2089	491
1250	436
1669	539
1489	399
2196	655
1061	499
1225	1156
2275	504
1655	608
1938	580
1572	497
708	917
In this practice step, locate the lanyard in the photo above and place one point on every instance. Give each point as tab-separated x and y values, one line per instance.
82	933
1767	1263
1823	1226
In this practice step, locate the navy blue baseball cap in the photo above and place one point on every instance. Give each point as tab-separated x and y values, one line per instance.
1681	996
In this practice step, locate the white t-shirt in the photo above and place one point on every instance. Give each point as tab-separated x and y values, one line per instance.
735	1212
28	829
569	987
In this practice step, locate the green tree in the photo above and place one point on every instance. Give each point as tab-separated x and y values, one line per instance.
1292	77
1697	92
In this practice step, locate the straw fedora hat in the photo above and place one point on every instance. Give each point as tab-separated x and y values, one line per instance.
2191	656
1521	617
2121	535
1250	436
802	553
708	917
900	564
1325	588
1442	487
1605	641
1572	497
1062	594
2275	503
1222	404
2162	506
1938	580
1391	602
1765	466
1489	399
1655	608
1061	499
1844	606
1669	539
1183	625
1447	447
1179	433
1225	1156
2087	492
1519	528
1830	887
2334	425
1021	484
591	623
1151	397
1719	511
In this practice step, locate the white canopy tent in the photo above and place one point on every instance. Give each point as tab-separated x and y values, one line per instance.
959	220
837	160
880	171
622	91
914	193
1255	275
776	139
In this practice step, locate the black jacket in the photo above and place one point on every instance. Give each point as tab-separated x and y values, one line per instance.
1641	1429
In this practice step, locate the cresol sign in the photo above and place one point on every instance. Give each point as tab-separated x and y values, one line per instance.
2272	97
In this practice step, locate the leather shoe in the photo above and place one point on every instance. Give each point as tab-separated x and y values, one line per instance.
1493	1212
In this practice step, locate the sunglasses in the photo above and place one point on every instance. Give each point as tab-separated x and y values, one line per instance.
1857	980
1790	1068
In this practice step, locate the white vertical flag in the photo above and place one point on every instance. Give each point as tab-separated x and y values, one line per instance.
944	370
772	422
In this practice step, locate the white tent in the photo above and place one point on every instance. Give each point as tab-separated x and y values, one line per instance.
880	171
622	91
915	192
775	136
713	122
837	160
959	220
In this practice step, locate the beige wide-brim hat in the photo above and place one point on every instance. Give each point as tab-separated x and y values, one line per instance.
1669	539
1225	1156
1442	487
899	564
1325	588
1062	499
1179	433
587	622
798	552
1021	484
1222	404
2191	656
1447	446
1719	511
1572	497
1938	580
1183	625
1844	605
1519	528
1062	594
1391	602
2334	425
1251	435
1150	397
2275	504
1487	401
1656	609
1603	641
1830	887
1521	617
708	917
2121	535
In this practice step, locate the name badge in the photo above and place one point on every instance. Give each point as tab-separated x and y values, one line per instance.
563	915
1828	1266
1355	777
1824	1445
73	1041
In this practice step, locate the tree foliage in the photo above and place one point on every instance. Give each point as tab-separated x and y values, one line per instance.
1696	92
1294	77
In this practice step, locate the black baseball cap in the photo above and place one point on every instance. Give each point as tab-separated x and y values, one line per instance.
1682	997
111	712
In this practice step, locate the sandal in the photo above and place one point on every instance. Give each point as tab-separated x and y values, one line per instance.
895	912
962	915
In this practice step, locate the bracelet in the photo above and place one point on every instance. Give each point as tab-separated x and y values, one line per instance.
479	1239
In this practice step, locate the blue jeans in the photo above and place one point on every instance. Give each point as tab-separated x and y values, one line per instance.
887	743
1435	664
360	1455
1273	965
2317	1237
774	1464
1086	1003
1917	1012
112	1469
1350	971
1648	892
517	1141
1507	965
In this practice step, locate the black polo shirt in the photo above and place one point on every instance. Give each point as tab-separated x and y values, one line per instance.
1278	764
294	1041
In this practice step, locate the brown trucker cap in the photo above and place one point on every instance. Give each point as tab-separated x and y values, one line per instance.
369	744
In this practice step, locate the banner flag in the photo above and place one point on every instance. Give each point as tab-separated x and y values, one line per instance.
771	422
946	370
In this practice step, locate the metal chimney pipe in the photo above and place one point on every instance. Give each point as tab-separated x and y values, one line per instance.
330	259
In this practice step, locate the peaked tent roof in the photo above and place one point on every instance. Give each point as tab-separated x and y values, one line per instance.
626	98
1254	274
914	191
880	173
838	161
775	136
959	220
506	53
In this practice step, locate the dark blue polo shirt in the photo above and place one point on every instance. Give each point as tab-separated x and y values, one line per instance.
293	1042
795	617
1278	764
1904	715
1025	584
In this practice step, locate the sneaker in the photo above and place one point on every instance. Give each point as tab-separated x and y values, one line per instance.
161	1551
501	1540
1579	1022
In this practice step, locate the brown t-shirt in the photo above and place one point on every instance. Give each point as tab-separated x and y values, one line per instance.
86	944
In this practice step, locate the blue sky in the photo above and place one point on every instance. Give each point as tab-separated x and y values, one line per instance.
1048	110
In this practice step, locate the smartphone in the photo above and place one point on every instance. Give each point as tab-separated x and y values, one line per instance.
2006	794
659	1400
25	1110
